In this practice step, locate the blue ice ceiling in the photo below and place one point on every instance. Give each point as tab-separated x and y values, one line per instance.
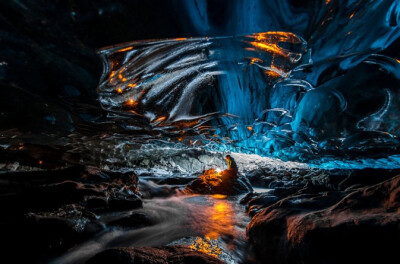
323	83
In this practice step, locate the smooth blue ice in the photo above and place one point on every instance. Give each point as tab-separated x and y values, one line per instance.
330	97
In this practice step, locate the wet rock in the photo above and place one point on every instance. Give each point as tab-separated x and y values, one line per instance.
174	180
43	190
149	189
259	178
125	203
276	183
366	177
50	233
332	227
96	203
255	204
133	220
229	187
53	210
56	195
153	255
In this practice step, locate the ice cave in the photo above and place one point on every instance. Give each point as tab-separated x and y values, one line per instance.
200	131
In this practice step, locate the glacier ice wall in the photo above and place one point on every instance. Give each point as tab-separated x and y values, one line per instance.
327	90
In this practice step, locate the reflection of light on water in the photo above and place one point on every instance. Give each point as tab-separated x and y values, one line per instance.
207	246
220	221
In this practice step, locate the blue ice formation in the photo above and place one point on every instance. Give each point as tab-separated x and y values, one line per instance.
327	91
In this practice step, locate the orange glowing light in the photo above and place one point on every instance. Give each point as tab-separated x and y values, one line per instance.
160	119
112	74
327	2
254	60
119	90
398	60
131	102
272	74
269	47
219	196
185	124
180	39
221	219
352	15
207	246
250	128
211	177
125	49
40	162
276	36
132	85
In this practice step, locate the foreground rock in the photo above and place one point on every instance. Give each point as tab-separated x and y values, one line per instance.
233	187
359	226
150	255
51	211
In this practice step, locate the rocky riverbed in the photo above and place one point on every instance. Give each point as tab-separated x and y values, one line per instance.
84	214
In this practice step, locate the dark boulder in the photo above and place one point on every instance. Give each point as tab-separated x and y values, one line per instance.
231	187
124	203
332	227
258	202
133	220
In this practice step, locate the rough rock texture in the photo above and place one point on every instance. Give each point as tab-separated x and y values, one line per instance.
150	255
51	211
234	187
359	226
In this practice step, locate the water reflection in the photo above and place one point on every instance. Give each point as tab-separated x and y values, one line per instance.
213	224
218	228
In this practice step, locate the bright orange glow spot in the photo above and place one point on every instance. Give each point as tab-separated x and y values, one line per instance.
119	90
268	47
327	2
40	162
273	74
398	60
211	177
352	15
132	85
219	196
250	128
125	49
276	36
179	39
206	246
131	102
160	119
254	60
112	74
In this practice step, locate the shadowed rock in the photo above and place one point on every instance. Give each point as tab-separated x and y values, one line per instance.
156	255
362	227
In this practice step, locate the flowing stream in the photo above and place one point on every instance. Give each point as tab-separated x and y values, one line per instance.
214	224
